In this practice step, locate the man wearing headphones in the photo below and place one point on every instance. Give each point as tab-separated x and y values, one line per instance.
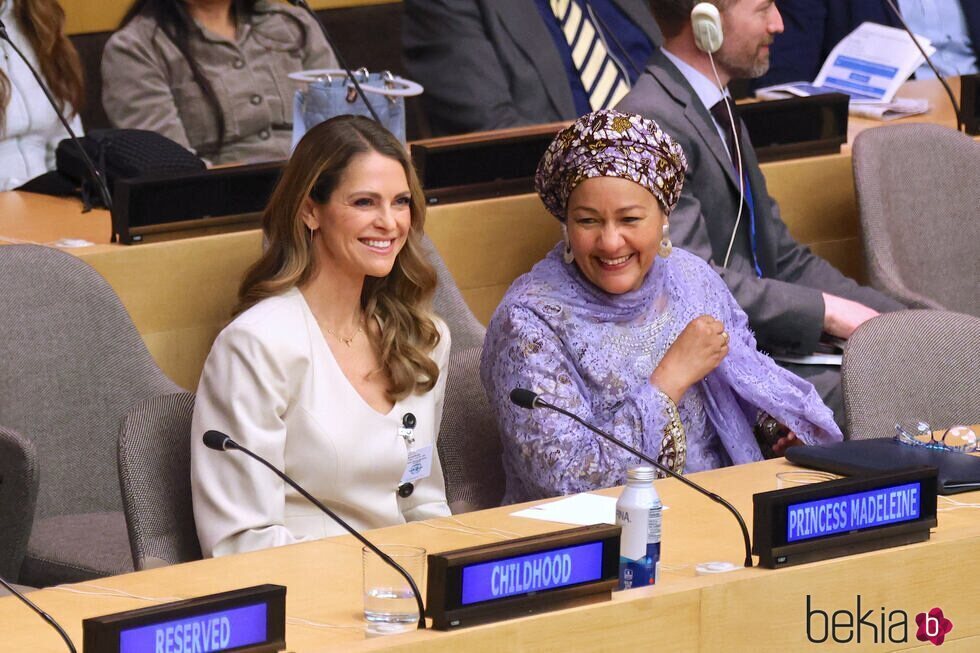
790	295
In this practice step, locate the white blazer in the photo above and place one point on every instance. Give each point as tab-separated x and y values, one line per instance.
32	130
272	384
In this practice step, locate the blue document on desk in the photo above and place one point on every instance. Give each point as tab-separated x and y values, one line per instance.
870	64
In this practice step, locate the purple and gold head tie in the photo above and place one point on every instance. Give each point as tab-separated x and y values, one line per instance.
608	143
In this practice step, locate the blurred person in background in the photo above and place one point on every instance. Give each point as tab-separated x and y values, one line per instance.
29	128
212	75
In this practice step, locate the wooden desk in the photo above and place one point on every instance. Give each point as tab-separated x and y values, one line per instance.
940	110
746	610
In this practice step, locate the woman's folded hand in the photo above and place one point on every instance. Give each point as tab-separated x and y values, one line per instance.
696	352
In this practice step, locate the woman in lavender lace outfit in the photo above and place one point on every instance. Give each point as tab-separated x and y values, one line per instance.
639	338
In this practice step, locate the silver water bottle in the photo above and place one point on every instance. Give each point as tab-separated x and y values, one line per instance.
638	512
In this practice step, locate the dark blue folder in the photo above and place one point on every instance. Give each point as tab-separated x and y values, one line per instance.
958	472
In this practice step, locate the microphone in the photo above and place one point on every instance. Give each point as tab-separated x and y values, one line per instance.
956	107
220	442
302	4
96	175
528	399
44	615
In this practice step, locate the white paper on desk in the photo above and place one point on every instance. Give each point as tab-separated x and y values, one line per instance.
897	108
810	359
580	509
872	62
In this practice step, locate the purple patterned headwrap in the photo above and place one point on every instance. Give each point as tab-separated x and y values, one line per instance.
608	143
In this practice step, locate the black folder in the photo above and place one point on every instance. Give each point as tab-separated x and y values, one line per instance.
958	472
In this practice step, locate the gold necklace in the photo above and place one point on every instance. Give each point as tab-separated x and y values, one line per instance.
347	341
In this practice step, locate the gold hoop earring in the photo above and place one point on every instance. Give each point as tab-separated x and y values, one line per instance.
666	247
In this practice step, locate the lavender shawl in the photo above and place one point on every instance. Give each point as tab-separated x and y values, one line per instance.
593	353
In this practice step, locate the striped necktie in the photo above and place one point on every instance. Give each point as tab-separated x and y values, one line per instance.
602	76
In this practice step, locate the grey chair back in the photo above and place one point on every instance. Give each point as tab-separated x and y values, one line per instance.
469	442
72	365
918	191
18	494
909	366
155	480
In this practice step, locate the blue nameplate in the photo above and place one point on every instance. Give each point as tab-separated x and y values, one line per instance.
251	619
845	516
532	573
519	577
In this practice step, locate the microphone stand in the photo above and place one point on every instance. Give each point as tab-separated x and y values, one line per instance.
535	401
44	615
96	175
302	4
960	125
224	442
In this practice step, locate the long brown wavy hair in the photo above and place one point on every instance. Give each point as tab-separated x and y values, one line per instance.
401	300
43	24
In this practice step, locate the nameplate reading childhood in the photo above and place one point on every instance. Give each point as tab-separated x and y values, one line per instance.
520	577
251	619
532	573
845	516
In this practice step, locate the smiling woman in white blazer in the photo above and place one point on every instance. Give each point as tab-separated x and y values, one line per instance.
333	347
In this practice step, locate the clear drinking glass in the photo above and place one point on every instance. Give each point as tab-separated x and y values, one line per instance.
388	598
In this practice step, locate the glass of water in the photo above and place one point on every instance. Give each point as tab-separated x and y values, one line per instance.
388	598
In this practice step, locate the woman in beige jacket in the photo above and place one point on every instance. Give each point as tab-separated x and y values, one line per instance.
212	75
334	368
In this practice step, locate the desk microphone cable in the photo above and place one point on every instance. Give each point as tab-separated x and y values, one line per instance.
44	615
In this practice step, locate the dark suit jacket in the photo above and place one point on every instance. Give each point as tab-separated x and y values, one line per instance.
488	64
814	27
785	307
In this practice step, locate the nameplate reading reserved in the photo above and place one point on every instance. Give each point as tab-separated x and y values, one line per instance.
845	516
531	574
252	620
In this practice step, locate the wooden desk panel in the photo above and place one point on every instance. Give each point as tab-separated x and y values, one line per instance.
745	610
42	219
85	16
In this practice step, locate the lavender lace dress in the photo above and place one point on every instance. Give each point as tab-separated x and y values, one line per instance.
593	353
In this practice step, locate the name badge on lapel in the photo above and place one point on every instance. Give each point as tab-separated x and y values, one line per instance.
419	465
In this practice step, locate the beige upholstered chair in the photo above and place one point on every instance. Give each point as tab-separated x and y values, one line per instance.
155	479
71	365
469	443
909	366
918	191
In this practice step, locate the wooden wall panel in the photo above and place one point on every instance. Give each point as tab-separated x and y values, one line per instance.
84	16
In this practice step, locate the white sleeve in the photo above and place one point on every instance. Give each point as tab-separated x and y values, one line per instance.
239	505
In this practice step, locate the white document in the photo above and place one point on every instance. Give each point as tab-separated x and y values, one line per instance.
810	359
870	64
579	509
898	108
